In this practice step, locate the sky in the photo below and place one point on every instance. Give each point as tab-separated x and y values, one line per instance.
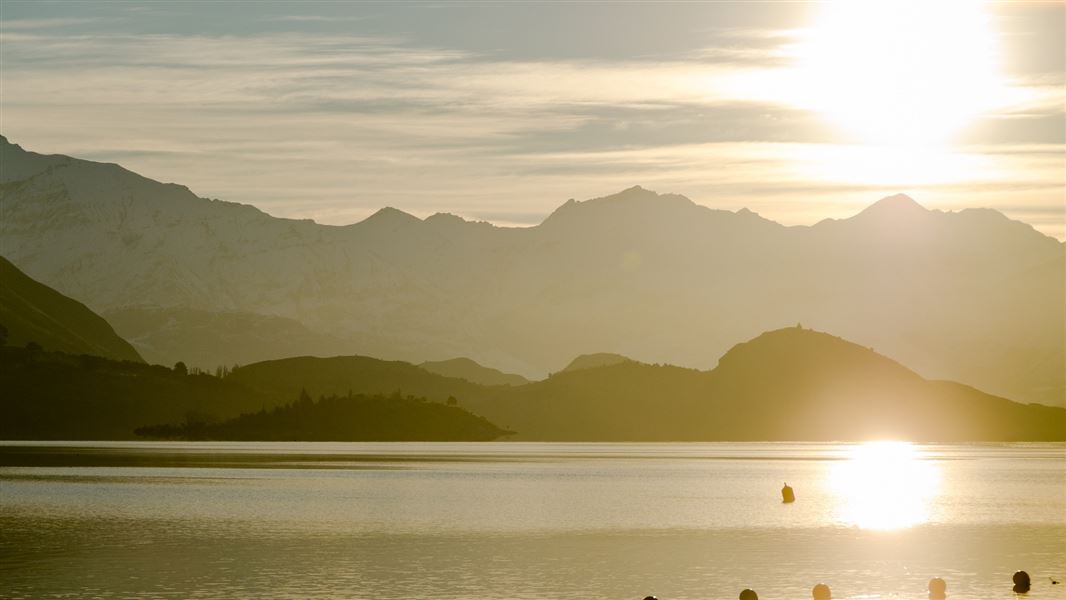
501	111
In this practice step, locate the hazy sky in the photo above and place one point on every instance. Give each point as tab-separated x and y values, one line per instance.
502	111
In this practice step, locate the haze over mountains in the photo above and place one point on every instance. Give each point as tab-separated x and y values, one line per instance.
969	296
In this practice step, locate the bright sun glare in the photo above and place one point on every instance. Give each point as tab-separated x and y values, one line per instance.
900	72
884	485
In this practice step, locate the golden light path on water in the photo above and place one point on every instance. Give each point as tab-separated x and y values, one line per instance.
884	485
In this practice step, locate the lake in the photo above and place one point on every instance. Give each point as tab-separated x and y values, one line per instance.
528	520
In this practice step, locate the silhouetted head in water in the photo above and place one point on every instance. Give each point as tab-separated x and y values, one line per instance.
787	495
650	598
749	595
1021	582
821	592
937	589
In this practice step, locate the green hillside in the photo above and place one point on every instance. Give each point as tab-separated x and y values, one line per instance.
32	311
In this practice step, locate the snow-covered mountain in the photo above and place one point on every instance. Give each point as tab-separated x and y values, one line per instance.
970	296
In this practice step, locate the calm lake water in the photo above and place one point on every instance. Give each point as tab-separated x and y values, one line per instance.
508	520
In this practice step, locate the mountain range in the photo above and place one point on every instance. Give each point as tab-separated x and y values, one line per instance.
970	296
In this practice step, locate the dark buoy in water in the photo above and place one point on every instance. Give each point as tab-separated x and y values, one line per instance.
749	594
938	589
1021	582
787	495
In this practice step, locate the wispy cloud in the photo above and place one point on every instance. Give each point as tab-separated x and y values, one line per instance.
332	127
51	23
311	19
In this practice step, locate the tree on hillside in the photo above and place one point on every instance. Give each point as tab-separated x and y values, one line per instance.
180	368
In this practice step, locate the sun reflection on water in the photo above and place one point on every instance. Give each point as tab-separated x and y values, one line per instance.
884	485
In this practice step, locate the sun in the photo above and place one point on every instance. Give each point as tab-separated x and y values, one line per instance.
884	485
900	72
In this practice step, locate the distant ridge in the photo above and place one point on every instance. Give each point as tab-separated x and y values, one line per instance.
465	368
592	361
969	296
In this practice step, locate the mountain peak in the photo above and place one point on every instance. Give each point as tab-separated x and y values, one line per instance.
631	203
797	348
592	361
444	217
897	204
392	216
635	191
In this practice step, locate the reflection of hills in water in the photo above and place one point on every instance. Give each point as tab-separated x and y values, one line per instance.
969	296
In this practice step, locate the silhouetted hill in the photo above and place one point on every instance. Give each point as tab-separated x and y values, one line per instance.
789	384
339	375
591	361
465	368
51	395
970	296
794	379
352	418
55	396
32	311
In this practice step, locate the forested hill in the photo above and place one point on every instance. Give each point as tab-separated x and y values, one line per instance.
351	418
56	396
788	384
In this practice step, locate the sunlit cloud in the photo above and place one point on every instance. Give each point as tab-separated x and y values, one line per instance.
332	127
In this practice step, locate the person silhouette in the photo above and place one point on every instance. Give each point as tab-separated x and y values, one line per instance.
749	594
1021	582
821	592
937	589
